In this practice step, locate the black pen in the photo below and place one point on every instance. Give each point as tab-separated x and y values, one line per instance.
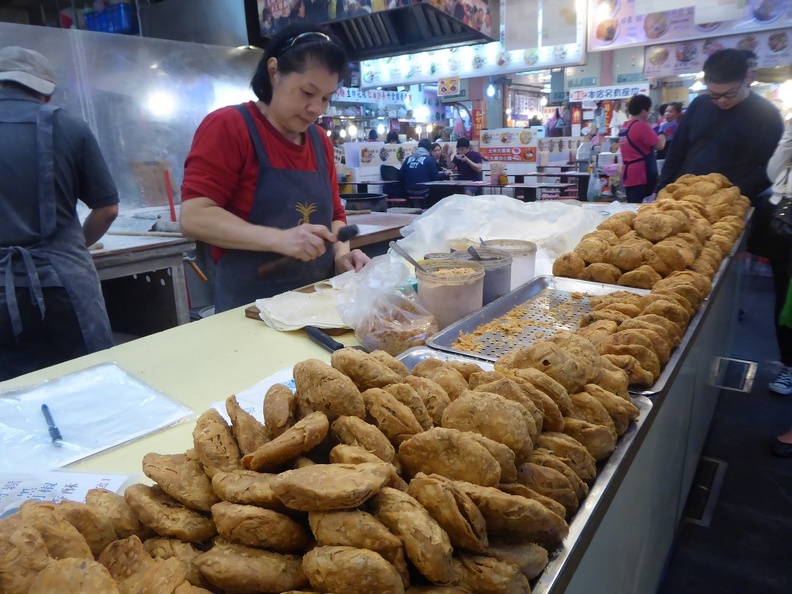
54	432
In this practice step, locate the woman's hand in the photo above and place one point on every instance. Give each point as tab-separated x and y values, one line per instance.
305	242
354	260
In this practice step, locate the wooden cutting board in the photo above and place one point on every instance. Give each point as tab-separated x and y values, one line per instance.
253	312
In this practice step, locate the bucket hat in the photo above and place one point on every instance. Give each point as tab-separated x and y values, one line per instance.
27	68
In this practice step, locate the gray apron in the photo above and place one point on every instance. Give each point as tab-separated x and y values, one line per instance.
284	198
61	248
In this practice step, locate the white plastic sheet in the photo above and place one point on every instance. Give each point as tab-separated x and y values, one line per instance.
95	409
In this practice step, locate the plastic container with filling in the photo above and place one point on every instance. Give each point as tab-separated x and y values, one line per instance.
437	256
450	290
462	243
497	270
523	255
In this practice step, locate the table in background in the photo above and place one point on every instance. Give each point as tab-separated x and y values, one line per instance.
377	229
565	177
362	186
531	189
143	281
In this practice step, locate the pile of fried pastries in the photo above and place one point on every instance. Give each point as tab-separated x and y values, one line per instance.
692	225
368	478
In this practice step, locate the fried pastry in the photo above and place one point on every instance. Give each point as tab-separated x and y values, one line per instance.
620	296
673	331
641	325
304	436
667	294
436	590
628	255
546	384
515	516
182	478
597	331
568	265
495	417
406	394
465	368
258	527
669	310
637	375
645	337
598	440
621	410
592	249
619	228
491	576
161	575
393	418
186	553
346	454
356	432
426	543
581	348
655	226
575	454
606	313
550	483
356	528
453	510
511	390
123	558
214	443
503	454
643	277
528	493
245	570
348	569
600	272
326	487
280	410
62	539
391	362
434	397
115	508
247	487
166	516
588	408
96	528
326	389
23	555
363	369
73	576
552	360
614	379
606	234
548	459
448	378
248	432
552	419
528	556
450	453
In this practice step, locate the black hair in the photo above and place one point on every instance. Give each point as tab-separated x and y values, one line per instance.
392	136
463	143
638	103
749	55
295	49
676	105
425	143
434	146
662	108
726	66
373	135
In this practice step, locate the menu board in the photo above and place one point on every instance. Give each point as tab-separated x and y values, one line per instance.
614	23
771	47
388	154
518	145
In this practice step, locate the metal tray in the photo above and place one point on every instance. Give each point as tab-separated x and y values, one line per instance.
551	304
411	357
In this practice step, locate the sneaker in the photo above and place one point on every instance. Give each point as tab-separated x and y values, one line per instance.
782	384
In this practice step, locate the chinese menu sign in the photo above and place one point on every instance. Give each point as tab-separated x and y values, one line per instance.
606	93
772	48
515	145
614	23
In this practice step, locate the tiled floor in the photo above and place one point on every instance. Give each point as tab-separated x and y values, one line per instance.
747	548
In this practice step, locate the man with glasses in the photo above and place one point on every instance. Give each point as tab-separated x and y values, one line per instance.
728	130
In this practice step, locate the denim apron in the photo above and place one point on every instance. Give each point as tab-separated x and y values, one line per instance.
284	198
62	248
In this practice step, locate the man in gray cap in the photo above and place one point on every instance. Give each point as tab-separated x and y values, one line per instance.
51	304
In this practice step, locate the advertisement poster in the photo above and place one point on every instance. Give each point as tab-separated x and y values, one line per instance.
478	124
274	15
606	93
614	23
772	48
517	145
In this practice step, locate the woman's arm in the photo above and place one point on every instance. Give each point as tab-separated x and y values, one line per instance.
202	218
783	154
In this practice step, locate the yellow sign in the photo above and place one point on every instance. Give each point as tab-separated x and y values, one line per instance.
448	86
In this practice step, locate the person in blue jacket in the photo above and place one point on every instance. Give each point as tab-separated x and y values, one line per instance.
420	167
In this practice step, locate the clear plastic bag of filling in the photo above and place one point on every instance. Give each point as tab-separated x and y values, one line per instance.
383	308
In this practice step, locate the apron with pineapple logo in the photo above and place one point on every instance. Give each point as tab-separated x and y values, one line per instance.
284	198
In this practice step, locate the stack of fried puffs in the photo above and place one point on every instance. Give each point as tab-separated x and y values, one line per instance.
369	479
692	225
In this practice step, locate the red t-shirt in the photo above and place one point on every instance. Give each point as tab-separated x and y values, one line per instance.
644	138
222	163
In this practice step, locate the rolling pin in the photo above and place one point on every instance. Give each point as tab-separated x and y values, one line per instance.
344	234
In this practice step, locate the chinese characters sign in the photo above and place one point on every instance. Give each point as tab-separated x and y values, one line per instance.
606	93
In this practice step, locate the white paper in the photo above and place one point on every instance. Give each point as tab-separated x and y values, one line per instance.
522	24
251	399
16	488
95	409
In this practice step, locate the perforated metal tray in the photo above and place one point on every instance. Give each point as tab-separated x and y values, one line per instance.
547	304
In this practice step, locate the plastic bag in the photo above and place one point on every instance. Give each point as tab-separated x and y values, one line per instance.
383	308
594	187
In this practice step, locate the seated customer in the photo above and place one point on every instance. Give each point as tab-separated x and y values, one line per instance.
468	163
419	167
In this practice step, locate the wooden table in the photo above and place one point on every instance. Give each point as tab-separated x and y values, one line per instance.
378	228
144	276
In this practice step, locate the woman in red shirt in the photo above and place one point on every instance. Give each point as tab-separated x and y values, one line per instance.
260	180
637	144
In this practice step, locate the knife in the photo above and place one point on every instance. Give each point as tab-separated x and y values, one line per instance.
324	340
344	234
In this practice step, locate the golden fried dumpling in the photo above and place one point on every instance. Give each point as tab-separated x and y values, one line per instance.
166	516
549	459
637	375
348	569
434	397
576	456
393	418
23	555
568	265
643	277
592	249
407	395
530	557
304	436
247	570
259	527
356	432
214	443
73	576
600	272
280	410
448	377
598	440
125	557
115	508
182	478
248	432
656	225
480	573
326	389
366	371
96	528
62	539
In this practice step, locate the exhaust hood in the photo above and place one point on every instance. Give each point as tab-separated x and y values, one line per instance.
404	30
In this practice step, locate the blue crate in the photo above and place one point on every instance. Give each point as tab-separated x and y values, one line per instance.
117	18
